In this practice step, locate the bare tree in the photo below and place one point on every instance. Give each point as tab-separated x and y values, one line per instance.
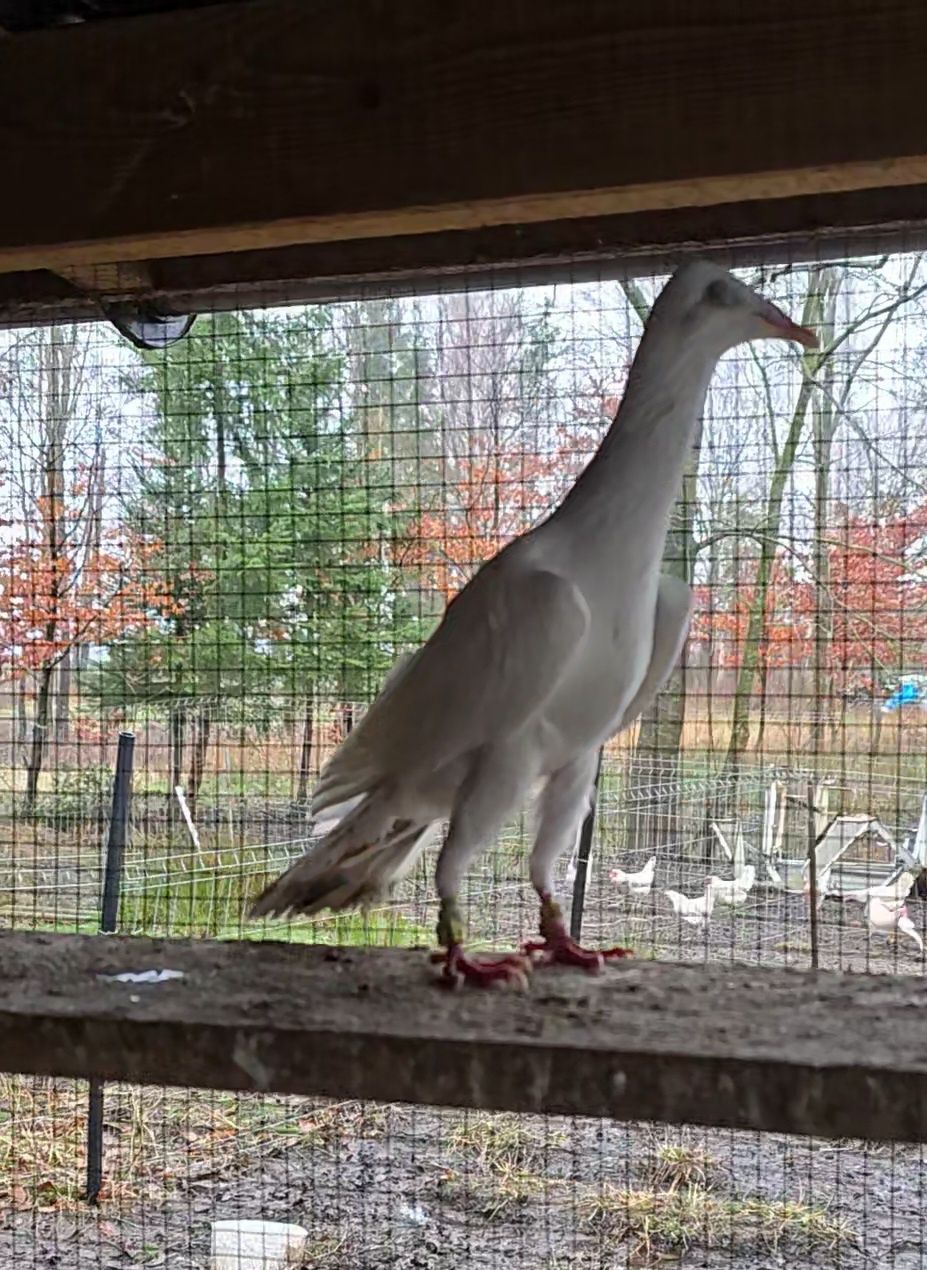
828	378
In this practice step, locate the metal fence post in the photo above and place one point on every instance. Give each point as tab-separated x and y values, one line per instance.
582	858
813	840
109	916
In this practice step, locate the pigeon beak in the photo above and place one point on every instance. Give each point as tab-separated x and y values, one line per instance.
782	327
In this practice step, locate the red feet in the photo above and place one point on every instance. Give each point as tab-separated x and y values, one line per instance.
567	952
482	972
557	948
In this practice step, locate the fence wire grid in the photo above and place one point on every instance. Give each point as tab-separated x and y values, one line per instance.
222	548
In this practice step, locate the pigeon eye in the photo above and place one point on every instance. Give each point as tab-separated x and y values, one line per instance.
717	293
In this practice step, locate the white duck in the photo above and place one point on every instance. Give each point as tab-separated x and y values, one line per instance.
696	911
556	644
888	917
639	883
734	891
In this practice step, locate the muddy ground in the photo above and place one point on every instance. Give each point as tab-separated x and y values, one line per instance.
417	1193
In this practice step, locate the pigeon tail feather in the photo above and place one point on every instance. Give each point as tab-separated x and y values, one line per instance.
357	863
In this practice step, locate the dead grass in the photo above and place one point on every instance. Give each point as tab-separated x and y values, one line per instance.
511	1188
658	1223
154	1138
498	1141
244	760
506	1163
680	1205
323	1251
682	1162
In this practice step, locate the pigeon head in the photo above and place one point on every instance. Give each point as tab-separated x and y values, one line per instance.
708	303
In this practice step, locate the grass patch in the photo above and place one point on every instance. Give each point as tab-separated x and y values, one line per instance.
682	1163
506	1159
657	1223
153	1137
498	1142
498	1193
209	896
378	929
510	1188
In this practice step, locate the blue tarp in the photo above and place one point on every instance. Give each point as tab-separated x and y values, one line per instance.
909	692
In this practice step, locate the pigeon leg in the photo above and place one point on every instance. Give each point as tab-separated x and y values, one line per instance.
495	785
556	947
564	804
460	967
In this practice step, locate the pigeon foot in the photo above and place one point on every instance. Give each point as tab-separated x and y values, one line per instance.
556	947
459	967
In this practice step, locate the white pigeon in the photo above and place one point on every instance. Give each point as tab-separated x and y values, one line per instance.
558	642
899	889
888	917
734	891
696	911
639	883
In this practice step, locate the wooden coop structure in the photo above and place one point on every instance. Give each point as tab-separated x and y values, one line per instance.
220	155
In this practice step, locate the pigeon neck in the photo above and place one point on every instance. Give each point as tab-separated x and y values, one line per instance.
636	473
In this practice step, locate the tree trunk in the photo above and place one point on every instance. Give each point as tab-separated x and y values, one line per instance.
654	805
201	726
39	737
57	373
305	755
769	542
825	419
763	687
654	817
57	365
177	726
20	713
63	696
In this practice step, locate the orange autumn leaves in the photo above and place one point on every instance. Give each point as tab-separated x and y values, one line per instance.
485	503
875	594
58	593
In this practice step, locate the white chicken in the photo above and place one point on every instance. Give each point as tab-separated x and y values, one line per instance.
639	883
734	891
572	868
696	911
888	917
822	887
898	890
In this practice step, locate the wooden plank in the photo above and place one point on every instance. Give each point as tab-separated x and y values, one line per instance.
283	121
823	1054
781	231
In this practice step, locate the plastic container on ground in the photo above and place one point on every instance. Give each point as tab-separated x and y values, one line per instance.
256	1245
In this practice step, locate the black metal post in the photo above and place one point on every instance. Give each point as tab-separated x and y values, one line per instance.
582	858
109	917
813	876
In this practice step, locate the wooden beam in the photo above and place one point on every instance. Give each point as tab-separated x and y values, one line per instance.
816	227
737	1046
281	122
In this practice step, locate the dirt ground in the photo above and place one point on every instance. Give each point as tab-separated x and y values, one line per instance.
422	1191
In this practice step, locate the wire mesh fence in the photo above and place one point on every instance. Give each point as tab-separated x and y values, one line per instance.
224	546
